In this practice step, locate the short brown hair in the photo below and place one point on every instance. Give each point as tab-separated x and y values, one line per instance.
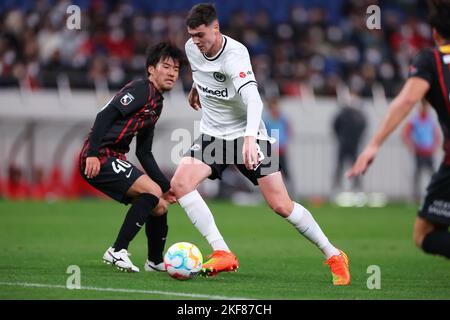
202	13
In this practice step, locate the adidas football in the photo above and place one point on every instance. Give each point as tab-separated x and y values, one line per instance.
183	260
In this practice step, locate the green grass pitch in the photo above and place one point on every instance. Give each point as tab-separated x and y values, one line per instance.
39	241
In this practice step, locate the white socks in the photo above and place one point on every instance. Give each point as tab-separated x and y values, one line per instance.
304	222
202	218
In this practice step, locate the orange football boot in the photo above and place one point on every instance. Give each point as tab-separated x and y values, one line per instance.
339	269
219	261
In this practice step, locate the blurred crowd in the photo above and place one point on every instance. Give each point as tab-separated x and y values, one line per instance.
294	45
18	185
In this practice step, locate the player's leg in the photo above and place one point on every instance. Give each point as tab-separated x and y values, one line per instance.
431	227
189	174
156	230
432	238
192	170
274	191
145	194
124	182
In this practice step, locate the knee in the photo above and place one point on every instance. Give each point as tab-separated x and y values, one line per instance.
418	237
283	208
180	186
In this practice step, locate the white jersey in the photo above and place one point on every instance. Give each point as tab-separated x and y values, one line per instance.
219	80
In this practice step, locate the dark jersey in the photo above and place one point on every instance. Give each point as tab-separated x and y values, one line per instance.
135	110
140	105
433	65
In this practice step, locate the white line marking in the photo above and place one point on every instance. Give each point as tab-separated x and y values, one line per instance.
117	290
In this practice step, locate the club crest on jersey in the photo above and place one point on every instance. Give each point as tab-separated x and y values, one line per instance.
126	99
219	76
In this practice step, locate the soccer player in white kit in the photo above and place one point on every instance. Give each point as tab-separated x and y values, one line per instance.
232	132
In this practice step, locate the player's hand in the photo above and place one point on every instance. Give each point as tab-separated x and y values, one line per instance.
363	162
170	197
161	208
92	167
194	100
250	153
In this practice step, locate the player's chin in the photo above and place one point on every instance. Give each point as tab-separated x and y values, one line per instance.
168	85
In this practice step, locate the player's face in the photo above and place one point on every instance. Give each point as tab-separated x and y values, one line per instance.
205	37
165	74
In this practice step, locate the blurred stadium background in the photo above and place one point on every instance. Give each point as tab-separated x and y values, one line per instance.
308	54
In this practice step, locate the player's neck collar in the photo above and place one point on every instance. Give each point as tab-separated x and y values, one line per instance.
224	43
445	48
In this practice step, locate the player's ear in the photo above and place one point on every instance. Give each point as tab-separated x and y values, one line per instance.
216	26
151	70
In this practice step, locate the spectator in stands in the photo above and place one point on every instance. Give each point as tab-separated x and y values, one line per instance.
421	136
348	127
306	46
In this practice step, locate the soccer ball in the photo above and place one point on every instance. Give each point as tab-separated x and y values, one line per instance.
183	260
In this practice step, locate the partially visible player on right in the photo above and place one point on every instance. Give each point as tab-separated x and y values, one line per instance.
429	78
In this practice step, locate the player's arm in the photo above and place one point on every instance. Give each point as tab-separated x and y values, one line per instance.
103	122
145	156
412	92
125	103
251	98
238	67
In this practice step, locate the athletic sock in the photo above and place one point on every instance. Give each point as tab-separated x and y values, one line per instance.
136	217
304	222
202	218
437	242
156	230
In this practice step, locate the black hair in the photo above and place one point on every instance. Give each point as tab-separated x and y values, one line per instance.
202	13
161	51
439	17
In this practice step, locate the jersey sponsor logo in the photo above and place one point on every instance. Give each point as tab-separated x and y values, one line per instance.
218	93
219	76
126	99
242	75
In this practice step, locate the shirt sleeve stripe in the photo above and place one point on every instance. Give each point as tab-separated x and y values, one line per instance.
251	81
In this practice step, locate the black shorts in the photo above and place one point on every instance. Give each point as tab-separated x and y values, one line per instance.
114	179
435	206
219	154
